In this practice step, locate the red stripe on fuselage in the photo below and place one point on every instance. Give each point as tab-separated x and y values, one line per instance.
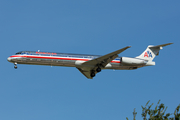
52	57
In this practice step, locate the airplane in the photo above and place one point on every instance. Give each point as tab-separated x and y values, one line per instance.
88	65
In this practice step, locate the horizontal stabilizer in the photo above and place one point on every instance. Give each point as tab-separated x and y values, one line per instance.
163	45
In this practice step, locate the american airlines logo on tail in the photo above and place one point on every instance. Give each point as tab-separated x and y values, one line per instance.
147	54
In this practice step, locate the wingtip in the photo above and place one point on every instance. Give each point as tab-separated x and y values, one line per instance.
168	44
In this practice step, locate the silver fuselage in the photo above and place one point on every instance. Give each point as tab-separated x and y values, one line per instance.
63	59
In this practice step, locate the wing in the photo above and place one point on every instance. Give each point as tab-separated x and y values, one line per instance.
85	72
104	60
101	62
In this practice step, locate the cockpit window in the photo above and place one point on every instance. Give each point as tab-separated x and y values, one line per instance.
18	53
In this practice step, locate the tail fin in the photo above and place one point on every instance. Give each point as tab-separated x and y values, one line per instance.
151	52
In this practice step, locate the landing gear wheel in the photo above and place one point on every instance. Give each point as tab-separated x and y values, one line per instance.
93	74
15	67
98	69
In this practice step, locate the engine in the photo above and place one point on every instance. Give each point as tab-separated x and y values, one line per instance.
132	61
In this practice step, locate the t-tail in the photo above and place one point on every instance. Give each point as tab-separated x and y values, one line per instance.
151	52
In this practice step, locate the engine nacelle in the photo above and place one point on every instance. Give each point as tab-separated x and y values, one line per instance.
132	61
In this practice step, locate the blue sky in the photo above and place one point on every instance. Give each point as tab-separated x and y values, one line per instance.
87	27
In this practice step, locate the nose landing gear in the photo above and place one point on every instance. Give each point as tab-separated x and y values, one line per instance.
15	65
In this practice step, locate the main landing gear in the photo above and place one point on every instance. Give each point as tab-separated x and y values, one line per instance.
93	72
98	69
15	65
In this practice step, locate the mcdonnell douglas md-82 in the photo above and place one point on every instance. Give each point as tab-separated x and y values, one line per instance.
88	65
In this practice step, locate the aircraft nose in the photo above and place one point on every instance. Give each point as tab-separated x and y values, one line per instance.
9	59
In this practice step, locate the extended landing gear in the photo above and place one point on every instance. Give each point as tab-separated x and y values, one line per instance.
93	71
98	69
15	65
